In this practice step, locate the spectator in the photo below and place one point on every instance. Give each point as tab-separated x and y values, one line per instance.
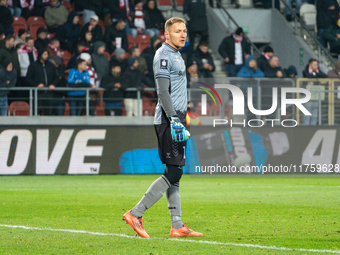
115	36
138	26
27	55
250	70
14	7
193	73
9	52
327	15
8	78
59	96
133	78
135	53
55	15
81	47
274	70
89	8
20	37
88	40
119	9
100	61
298	4
42	74
332	35
291	72
113	95
94	28
312	70
154	19
69	33
119	57
195	14
78	78
26	8
53	48
6	19
40	7
263	60
93	81
234	49
204	60
42	41
335	73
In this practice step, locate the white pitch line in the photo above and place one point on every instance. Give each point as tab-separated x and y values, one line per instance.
174	239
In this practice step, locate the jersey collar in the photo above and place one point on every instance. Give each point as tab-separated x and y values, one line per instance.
172	48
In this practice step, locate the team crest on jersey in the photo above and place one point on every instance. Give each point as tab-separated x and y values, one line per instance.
164	63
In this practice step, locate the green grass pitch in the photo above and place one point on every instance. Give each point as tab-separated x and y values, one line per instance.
260	213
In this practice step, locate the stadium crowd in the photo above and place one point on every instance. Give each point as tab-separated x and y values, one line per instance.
110	44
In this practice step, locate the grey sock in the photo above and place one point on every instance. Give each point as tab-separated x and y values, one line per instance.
152	195
174	203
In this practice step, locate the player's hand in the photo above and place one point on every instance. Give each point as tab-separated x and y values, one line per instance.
178	132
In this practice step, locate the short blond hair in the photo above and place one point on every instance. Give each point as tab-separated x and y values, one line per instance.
172	21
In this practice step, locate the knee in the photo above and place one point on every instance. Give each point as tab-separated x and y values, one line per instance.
173	173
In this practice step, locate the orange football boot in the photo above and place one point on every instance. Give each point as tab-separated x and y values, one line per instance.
184	231
136	224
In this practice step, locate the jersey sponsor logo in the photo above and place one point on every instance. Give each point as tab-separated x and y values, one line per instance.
181	73
164	63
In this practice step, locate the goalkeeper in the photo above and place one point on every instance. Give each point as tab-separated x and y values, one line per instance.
170	76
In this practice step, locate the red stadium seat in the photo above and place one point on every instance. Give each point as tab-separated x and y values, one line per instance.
66	56
50	36
106	54
179	5
18	23
67	5
100	109
131	41
33	23
142	41
19	108
161	37
164	5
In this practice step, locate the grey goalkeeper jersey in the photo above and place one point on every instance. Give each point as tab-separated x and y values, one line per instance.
168	63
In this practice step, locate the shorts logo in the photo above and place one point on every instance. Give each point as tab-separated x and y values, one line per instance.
168	155
164	64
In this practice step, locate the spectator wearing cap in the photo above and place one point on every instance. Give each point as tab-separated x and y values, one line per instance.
274	70
42	41
205	62
113	95
250	70
133	78
335	72
89	8
291	72
59	96
93	27
20	37
234	49
263	60
8	78
6	19
153	17
99	60
135	53
195	14
94	82
55	15
115	36
69	33
42	74
119	57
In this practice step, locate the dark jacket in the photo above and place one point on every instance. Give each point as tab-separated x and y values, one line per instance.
115	11
200	58
112	94
325	17
110	36
330	35
69	31
6	76
12	55
123	64
197	14
6	18
40	44
97	32
134	79
36	74
94	5
153	17
100	62
247	72
271	72
315	75
227	48
262	62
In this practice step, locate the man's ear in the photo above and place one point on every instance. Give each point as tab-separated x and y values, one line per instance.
166	35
